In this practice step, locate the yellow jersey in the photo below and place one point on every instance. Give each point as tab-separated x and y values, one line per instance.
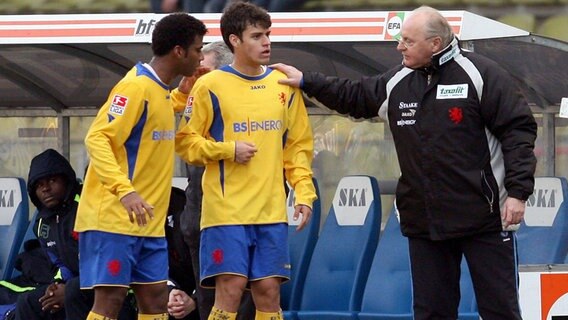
131	148
225	106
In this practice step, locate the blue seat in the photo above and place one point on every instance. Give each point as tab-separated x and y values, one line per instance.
542	237
28	235
467	310
14	219
388	292
301	246
343	253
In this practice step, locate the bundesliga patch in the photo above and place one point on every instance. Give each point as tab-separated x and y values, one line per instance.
188	107
118	105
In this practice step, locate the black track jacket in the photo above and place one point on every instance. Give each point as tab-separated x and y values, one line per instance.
463	133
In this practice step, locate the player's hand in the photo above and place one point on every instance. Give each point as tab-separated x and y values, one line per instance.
244	151
53	298
137	208
294	75
302	212
180	304
186	83
513	212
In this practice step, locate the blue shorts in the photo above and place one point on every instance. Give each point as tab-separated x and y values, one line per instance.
253	251
110	259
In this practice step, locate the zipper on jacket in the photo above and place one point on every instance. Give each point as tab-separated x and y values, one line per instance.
490	201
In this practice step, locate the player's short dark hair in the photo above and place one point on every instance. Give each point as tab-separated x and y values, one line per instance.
176	29
238	16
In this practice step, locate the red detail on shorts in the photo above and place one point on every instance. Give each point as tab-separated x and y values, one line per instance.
75	235
456	114
217	256
114	267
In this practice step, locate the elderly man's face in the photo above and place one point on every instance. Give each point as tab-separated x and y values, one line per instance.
414	45
209	60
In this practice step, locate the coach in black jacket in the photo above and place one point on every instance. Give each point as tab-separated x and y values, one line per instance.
464	137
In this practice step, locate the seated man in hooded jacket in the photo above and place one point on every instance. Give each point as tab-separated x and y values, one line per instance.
54	190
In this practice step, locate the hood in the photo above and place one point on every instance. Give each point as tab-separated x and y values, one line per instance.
48	163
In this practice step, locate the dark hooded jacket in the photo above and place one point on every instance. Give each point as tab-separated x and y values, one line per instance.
54	227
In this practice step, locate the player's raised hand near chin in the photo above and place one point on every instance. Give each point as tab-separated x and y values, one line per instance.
186	83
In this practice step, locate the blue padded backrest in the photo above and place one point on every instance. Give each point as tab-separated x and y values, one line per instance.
28	235
344	251
301	246
388	292
14	211
389	287
468	305
543	235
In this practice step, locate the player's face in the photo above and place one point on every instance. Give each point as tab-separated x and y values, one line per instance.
255	45
50	191
192	57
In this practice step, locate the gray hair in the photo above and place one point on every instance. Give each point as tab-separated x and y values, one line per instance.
436	24
223	55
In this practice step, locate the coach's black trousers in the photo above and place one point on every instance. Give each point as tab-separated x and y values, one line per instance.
435	267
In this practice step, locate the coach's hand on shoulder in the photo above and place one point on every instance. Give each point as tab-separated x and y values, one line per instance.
294	75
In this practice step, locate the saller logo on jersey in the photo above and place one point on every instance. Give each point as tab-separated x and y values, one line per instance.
454	91
118	105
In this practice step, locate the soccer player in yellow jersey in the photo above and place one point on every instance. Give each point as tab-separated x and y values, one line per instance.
248	131
122	212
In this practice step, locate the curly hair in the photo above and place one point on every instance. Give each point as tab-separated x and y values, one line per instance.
176	29
238	16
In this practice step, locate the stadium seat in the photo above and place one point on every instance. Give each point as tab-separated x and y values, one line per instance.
467	309
542	237
14	219
301	245
343	253
388	292
555	27
524	21
28	235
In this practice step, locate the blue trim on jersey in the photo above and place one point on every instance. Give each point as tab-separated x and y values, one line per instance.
216	131
218	126
132	144
110	117
291	99
232	70
284	138
143	71
222	176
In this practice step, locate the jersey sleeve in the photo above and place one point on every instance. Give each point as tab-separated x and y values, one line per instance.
178	100
195	142
299	150
109	132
